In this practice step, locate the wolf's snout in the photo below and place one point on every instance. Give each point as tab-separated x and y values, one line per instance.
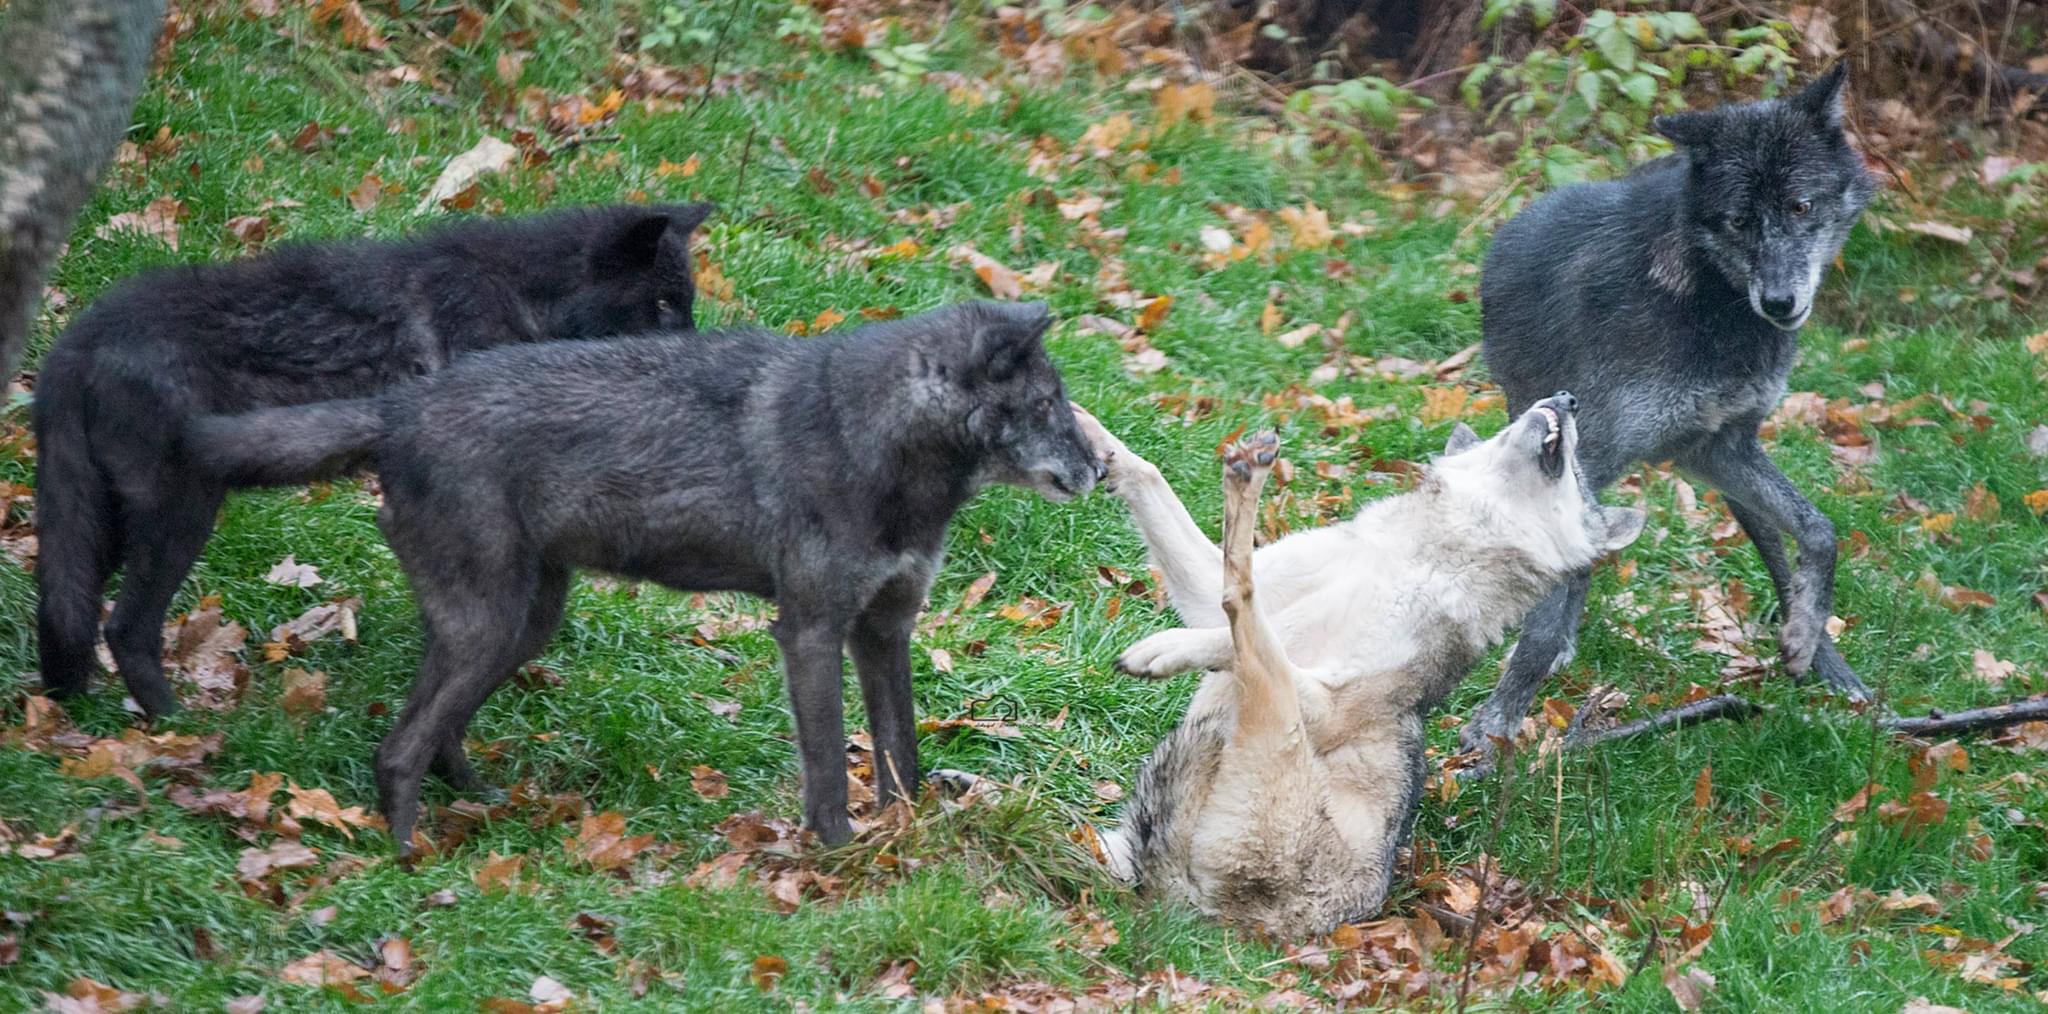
1566	400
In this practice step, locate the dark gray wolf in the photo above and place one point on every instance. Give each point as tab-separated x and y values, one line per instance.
303	323
1671	299
1283	795
820	473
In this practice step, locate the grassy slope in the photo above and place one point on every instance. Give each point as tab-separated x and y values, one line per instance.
626	728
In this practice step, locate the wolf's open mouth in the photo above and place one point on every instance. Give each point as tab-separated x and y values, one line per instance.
1552	457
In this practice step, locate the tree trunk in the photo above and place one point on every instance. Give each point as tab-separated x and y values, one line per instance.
69	74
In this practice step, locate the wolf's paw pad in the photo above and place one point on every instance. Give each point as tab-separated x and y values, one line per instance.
1252	456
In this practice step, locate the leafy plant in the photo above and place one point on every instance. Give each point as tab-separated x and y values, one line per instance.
1607	79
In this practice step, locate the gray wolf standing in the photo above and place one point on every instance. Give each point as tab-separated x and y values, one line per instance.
302	323
1284	793
820	473
1672	300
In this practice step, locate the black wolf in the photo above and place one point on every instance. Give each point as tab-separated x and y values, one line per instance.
304	323
1670	300
820	473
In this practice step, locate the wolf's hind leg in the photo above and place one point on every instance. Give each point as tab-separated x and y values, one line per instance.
167	524
1190	566
543	618
473	644
1268	703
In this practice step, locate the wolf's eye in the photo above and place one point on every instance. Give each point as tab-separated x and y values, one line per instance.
1801	207
662	305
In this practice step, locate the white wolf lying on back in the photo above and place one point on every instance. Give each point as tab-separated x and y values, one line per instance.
1282	796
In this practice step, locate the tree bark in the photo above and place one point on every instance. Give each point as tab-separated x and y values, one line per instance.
69	74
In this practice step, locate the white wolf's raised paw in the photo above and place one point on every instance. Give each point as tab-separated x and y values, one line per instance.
1171	652
1117	459
1252	457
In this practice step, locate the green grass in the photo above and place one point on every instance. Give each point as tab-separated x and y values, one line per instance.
989	901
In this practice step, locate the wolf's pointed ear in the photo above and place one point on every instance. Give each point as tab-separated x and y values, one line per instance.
684	219
1027	321
1822	99
632	247
1693	129
1462	439
1005	333
1621	524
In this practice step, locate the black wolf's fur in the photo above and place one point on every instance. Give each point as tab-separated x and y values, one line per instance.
1669	300
820	473
303	323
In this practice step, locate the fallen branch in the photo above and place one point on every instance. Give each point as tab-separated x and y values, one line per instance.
1706	709
1998	716
1729	706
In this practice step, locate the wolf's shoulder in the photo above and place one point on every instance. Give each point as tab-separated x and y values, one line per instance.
1645	191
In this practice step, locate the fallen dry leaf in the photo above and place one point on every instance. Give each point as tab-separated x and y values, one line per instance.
768	972
290	573
356	29
256	864
489	155
1193	102
499	873
601	841
320	806
158	218
1941	230
1308	227
249	230
546	990
291	637
1689	988
1002	282
305	693
1442	404
203	649
89	996
368	193
1990	668
1104	138
708	782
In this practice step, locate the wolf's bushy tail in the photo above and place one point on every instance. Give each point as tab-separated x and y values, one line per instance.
284	446
78	533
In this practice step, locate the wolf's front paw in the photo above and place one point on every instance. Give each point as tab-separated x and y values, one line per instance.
1120	464
1251	458
1171	652
1797	643
1831	669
